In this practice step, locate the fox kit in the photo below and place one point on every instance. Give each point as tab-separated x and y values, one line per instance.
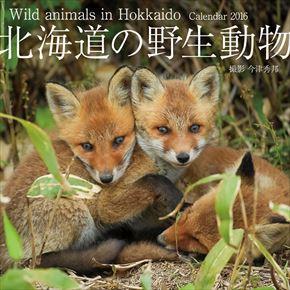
197	231
97	128
174	118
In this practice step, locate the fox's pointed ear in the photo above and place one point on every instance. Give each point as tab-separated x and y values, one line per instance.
145	86
62	102
206	84
119	89
246	168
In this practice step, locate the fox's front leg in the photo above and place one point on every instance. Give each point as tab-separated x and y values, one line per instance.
140	204
136	212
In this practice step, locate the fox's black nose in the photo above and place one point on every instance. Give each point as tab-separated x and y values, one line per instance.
106	177
182	157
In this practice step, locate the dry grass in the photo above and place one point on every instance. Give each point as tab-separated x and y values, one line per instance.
172	275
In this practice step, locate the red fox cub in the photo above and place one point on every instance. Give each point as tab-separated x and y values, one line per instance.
97	127
175	118
197	231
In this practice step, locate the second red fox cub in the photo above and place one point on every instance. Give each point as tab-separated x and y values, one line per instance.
175	119
197	231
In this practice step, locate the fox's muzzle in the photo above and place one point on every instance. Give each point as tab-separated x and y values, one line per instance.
106	177
183	157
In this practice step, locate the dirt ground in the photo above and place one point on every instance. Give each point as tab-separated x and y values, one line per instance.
173	275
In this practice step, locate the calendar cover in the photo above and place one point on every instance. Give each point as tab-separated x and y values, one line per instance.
144	145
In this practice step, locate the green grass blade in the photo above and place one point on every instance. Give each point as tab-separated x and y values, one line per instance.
270	259
11	64
44	148
188	286
44	118
13	279
281	209
146	279
226	195
258	106
208	179
24	279
53	278
12	239
215	261
189	188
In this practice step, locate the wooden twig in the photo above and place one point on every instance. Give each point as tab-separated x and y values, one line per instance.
32	233
4	80
242	247
189	188
49	224
248	274
274	280
240	122
239	132
244	213
176	234
237	263
255	206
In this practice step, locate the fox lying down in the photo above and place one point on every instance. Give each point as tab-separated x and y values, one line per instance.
196	230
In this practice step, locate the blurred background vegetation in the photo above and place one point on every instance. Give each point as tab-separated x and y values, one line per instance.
254	109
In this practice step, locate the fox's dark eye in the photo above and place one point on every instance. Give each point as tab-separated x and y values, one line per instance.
163	130
194	128
118	140
87	146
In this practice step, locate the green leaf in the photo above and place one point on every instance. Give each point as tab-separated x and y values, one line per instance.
43	118
188	286
229	119
11	64
225	197
14	279
47	186
12	239
215	261
24	279
281	209
208	179
53	278
146	279
44	148
258	106
270	259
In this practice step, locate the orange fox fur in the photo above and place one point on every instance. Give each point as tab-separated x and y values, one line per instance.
175	118
96	117
197	230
